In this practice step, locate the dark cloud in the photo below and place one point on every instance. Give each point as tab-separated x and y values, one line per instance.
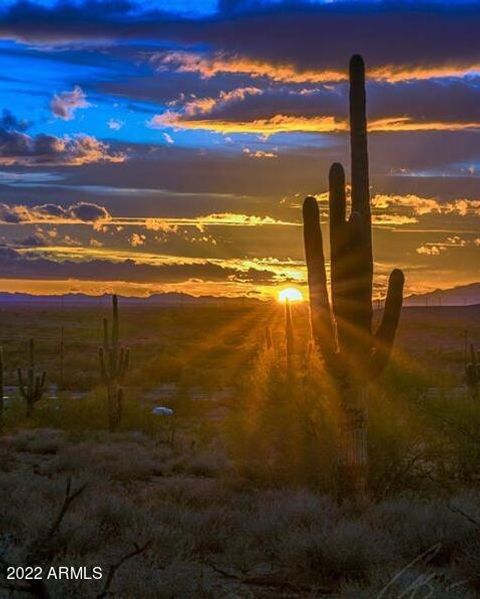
52	213
423	101
34	240
309	34
87	212
10	122
17	264
18	147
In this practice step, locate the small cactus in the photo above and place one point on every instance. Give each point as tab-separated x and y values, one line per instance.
289	339
268	338
33	387
2	404
472	372
62	355
114	361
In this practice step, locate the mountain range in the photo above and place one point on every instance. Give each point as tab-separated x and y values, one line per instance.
463	295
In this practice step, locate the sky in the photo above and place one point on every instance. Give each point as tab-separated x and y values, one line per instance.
158	145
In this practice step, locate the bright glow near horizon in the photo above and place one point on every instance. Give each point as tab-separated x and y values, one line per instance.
292	294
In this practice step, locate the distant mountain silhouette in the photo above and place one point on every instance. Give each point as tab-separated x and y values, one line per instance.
463	295
81	299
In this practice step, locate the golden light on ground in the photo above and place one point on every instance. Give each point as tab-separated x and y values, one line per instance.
292	294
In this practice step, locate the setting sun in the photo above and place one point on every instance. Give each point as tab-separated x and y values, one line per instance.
291	294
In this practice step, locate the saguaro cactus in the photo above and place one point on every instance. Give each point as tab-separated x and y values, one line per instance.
342	332
472	372
114	362
268	338
61	356
33	387
289	340
2	404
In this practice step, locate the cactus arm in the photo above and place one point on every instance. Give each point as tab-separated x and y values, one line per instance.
30	380
37	389
21	383
338	248
31	353
362	255
101	362
115	320
320	315
105	333
123	362
44	376
385	335
1	385
358	137
115	328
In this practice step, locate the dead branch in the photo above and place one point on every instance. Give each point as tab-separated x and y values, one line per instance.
457	510
112	570
265	581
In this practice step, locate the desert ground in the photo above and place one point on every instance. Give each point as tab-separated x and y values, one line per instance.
231	496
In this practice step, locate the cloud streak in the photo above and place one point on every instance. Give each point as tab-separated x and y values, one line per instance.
298	124
220	63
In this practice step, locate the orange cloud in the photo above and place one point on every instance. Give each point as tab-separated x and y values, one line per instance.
299	124
221	63
136	239
207	105
385	220
397	74
259	153
419	206
276	124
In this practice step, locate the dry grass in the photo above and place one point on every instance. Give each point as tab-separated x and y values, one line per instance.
211	535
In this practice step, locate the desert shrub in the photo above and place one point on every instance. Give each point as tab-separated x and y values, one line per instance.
163	368
125	462
205	461
280	429
39	441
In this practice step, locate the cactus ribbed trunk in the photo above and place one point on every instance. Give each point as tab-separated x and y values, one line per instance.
114	406
353	456
353	355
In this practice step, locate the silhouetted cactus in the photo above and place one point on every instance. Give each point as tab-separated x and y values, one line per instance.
114	362
62	364
2	402
472	372
33	386
289	339
268	338
343	331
